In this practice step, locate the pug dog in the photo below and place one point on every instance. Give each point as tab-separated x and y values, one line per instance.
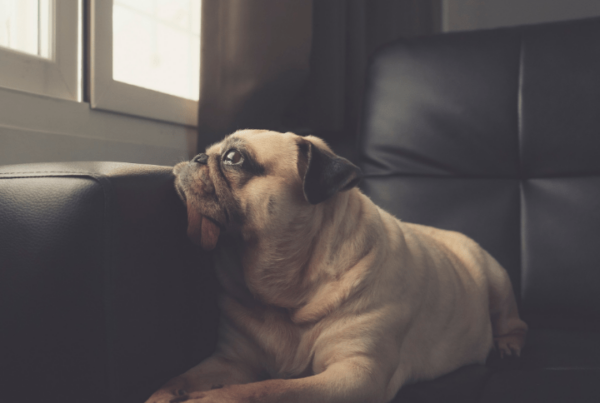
327	297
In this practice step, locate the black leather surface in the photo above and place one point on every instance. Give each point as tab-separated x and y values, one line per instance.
464	385
548	386
554	362
496	134
104	296
560	100
561	269
561	350
52	337
444	105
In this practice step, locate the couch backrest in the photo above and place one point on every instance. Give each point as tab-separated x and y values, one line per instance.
497	134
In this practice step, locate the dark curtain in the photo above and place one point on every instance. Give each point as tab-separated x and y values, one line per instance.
254	59
297	65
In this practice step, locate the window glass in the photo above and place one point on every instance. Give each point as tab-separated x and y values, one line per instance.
156	45
25	26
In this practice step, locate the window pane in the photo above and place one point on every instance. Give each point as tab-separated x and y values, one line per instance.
25	26
156	45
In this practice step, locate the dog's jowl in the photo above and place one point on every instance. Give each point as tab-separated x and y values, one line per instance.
328	298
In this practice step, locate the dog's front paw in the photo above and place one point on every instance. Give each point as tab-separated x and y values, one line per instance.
219	394
173	392
168	398
178	396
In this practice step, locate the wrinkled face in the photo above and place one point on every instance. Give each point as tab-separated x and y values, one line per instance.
256	182
245	184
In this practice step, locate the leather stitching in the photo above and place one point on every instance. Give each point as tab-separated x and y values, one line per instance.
47	172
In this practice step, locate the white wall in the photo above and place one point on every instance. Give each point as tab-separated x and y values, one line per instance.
34	128
461	15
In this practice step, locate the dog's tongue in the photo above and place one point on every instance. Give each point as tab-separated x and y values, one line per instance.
210	234
201	230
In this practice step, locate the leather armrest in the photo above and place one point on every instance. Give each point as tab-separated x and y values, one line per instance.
102	296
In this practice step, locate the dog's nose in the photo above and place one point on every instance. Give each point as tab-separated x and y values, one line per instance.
201	159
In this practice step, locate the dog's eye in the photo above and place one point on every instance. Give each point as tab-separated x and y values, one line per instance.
233	157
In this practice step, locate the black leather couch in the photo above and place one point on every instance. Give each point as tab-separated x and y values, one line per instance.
102	297
493	133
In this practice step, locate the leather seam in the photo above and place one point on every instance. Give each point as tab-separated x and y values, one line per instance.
522	230
49	172
516	178
520	107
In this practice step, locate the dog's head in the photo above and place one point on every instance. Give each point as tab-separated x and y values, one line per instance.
254	182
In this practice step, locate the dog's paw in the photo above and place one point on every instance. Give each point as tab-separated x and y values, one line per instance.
180	396
177	396
173	391
510	345
507	351
218	394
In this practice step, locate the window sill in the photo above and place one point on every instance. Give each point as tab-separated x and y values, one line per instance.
36	128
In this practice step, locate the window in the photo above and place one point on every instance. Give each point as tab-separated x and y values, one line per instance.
145	54
25	26
39	47
145	58
156	45
43	116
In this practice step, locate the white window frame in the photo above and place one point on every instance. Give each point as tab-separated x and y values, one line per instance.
111	95
56	77
32	121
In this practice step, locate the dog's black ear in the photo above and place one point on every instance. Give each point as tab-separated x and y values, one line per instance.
324	173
